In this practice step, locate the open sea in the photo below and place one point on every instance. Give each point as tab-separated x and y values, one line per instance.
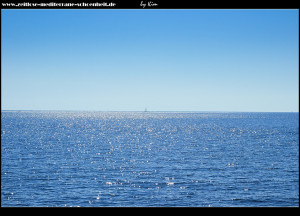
144	159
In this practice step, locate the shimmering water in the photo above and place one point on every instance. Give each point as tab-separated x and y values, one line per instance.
149	159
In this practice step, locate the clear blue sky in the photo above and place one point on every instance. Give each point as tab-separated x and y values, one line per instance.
165	60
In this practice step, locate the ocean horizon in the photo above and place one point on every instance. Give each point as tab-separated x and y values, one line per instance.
183	111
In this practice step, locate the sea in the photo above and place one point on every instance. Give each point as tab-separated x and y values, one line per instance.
149	159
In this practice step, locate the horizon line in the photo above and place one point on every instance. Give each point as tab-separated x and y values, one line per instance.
16	110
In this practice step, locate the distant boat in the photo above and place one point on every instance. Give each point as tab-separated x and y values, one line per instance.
145	109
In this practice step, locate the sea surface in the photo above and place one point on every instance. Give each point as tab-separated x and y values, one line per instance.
143	159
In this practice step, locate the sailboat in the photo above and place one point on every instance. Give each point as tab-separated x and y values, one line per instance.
146	109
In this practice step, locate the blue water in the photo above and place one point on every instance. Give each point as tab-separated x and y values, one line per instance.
58	158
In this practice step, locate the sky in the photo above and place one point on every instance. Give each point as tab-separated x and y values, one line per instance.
162	60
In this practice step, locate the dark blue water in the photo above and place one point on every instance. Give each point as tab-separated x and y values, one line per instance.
149	159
